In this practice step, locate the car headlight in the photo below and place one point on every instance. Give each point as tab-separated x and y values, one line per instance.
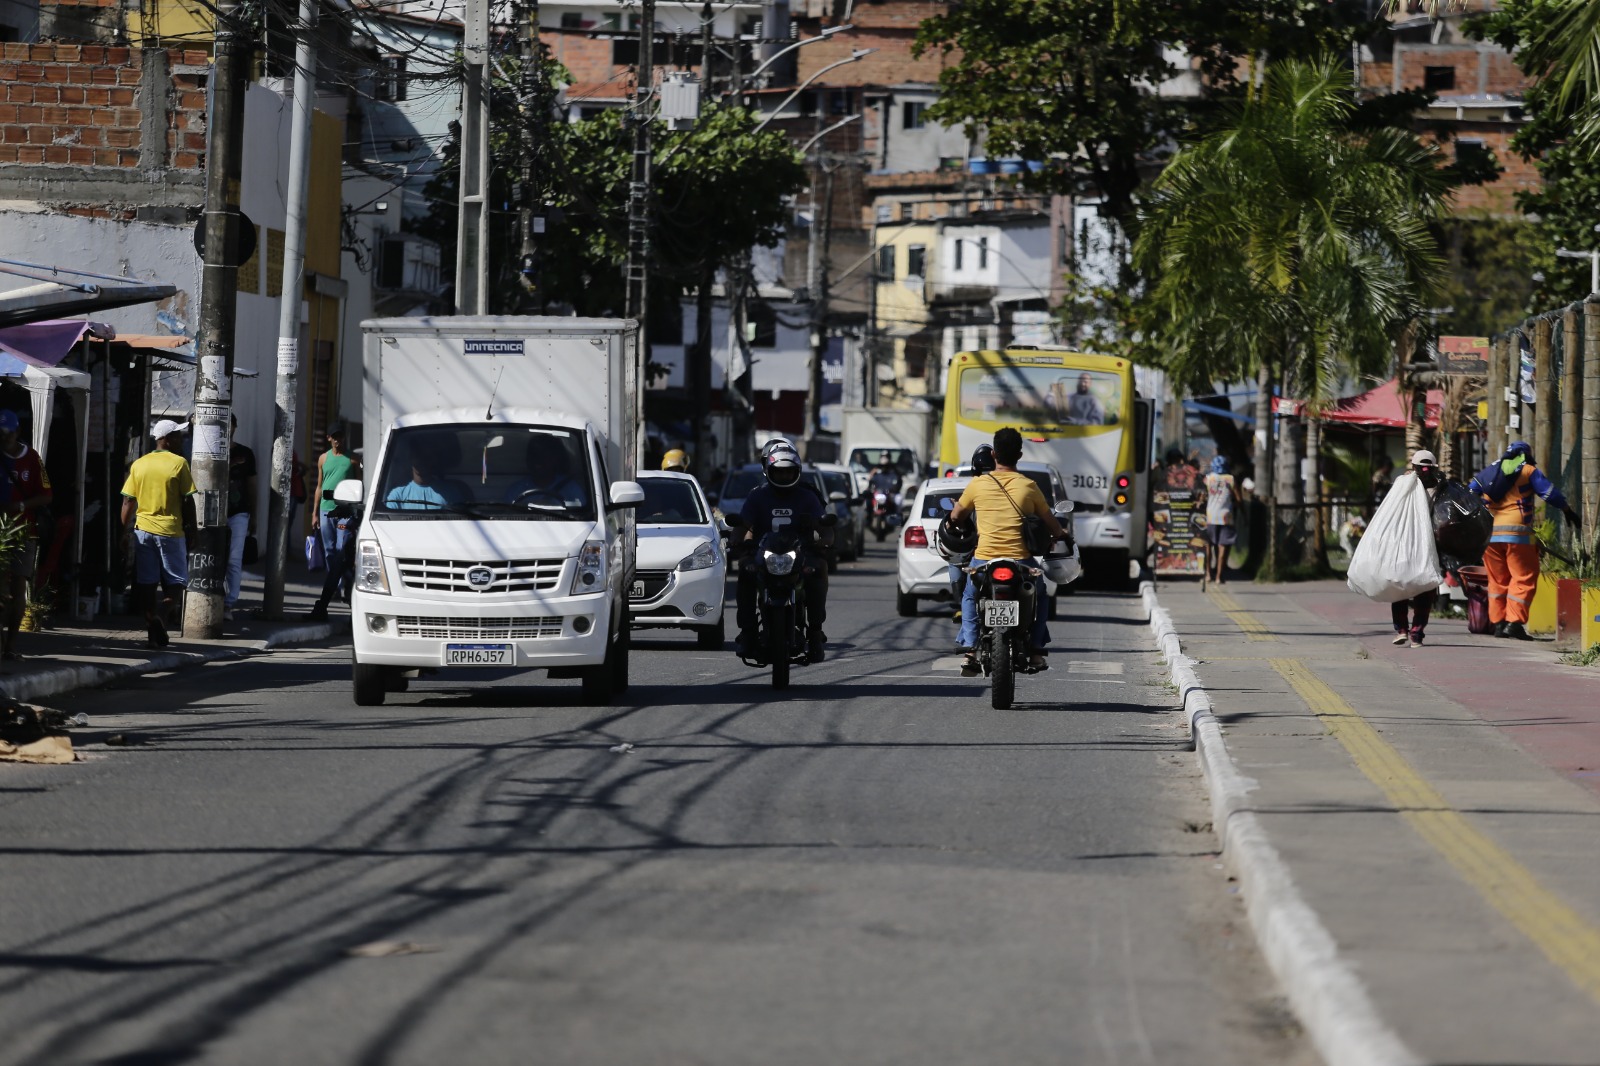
780	563
370	575
704	557
591	574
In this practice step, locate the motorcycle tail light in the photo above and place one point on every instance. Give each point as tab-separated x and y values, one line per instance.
1002	573
916	537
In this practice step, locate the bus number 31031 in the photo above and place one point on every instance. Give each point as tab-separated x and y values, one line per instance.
1090	481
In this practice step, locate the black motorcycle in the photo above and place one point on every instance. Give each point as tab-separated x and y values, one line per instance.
782	561
1006	603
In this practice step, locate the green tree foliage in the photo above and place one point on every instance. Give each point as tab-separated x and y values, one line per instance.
1072	80
1284	239
718	190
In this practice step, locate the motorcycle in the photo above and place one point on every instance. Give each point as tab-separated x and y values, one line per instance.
781	567
1007	601
885	515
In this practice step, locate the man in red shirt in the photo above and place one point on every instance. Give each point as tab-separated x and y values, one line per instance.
30	493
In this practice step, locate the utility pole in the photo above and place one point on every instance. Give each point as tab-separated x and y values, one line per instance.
817	282
1589	437
213	379
287	393
535	113
638	268
1544	397
472	224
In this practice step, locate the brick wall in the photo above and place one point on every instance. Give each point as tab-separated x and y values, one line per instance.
1496	198
91	105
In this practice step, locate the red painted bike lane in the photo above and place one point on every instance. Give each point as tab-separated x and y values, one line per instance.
1551	710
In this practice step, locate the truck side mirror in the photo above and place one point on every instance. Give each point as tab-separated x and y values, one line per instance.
626	494
350	490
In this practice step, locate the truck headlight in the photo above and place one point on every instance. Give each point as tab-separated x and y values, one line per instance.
591	574
704	557
370	575
780	563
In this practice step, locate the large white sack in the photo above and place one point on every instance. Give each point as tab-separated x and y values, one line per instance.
1397	558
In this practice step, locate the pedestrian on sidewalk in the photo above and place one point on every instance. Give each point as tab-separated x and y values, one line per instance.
333	466
1512	558
341	564
152	503
1222	496
241	513
1410	617
30	494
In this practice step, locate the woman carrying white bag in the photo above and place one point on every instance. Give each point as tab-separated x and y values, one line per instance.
1396	561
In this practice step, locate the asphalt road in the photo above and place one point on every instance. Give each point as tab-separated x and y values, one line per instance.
872	868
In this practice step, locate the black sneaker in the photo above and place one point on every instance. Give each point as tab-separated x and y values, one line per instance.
1499	629
319	613
1517	631
746	645
815	640
157	634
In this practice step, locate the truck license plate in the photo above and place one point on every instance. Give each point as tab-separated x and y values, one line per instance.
479	655
1001	614
636	591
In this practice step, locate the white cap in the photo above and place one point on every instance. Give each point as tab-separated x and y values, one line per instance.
1423	458
166	428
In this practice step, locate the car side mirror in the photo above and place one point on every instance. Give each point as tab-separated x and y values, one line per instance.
350	490
829	519
733	521
838	497
626	494
1062	509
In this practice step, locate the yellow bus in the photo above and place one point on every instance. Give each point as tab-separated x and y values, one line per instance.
1077	412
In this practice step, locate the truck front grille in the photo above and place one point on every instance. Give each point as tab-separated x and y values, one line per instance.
450	575
440	628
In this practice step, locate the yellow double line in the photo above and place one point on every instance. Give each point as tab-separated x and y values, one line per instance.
1253	627
1560	932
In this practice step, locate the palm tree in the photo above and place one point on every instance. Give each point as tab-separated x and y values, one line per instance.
1287	247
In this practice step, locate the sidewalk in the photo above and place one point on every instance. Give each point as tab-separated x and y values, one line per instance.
97	651
1437	809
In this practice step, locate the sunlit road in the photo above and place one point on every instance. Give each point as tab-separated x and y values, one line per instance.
874	867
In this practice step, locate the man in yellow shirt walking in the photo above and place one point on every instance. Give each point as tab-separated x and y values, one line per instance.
152	502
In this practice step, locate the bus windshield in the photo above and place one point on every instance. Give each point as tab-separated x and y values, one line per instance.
1041	396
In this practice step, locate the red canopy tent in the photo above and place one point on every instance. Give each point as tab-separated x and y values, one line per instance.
1382	407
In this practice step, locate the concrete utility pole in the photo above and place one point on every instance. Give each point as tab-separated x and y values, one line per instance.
1544	396
817	283
638	268
1494	422
472	224
285	416
1591	416
535	114
213	379
1525	412
1571	400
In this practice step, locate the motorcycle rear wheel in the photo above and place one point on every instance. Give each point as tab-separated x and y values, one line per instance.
778	627
1003	681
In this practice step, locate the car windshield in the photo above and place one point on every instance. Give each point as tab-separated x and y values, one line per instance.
903	460
669	502
940	502
481	471
740	484
838	481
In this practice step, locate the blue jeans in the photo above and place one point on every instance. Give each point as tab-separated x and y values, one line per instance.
333	534
238	530
159	560
1038	636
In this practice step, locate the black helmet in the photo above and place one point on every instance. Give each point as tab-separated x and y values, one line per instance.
983	459
780	462
957	538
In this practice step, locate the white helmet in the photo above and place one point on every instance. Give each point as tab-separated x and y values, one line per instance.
780	462
1063	567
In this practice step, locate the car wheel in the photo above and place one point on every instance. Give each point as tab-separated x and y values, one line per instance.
368	683
712	638
905	604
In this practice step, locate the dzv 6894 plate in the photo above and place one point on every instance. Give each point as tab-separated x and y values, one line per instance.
1001	614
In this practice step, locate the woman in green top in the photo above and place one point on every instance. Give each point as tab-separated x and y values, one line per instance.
333	467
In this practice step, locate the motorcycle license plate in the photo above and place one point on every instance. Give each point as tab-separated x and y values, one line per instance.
479	655
1001	614
636	591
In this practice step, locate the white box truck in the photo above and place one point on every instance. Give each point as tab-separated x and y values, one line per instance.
904	434
497	529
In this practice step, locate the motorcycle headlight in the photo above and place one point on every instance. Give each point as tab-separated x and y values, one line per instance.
591	574
370	576
704	557
779	563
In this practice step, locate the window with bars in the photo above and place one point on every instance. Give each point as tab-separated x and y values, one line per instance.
391	78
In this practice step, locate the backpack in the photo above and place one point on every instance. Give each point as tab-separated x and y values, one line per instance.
1495	480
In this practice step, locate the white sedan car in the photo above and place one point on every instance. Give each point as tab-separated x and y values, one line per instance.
682	570
923	572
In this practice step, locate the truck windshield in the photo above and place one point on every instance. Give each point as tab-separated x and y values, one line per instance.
903	460
499	471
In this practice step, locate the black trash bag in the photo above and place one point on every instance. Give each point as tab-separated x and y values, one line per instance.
1461	523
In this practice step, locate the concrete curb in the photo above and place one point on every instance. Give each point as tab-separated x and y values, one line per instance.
36	686
1325	994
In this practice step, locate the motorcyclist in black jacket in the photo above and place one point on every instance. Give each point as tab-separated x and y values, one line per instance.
771	506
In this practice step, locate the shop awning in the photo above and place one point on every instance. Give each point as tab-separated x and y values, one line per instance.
1382	407
43	343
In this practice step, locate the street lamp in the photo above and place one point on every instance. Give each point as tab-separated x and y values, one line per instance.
774	57
842	122
858	54
1594	265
